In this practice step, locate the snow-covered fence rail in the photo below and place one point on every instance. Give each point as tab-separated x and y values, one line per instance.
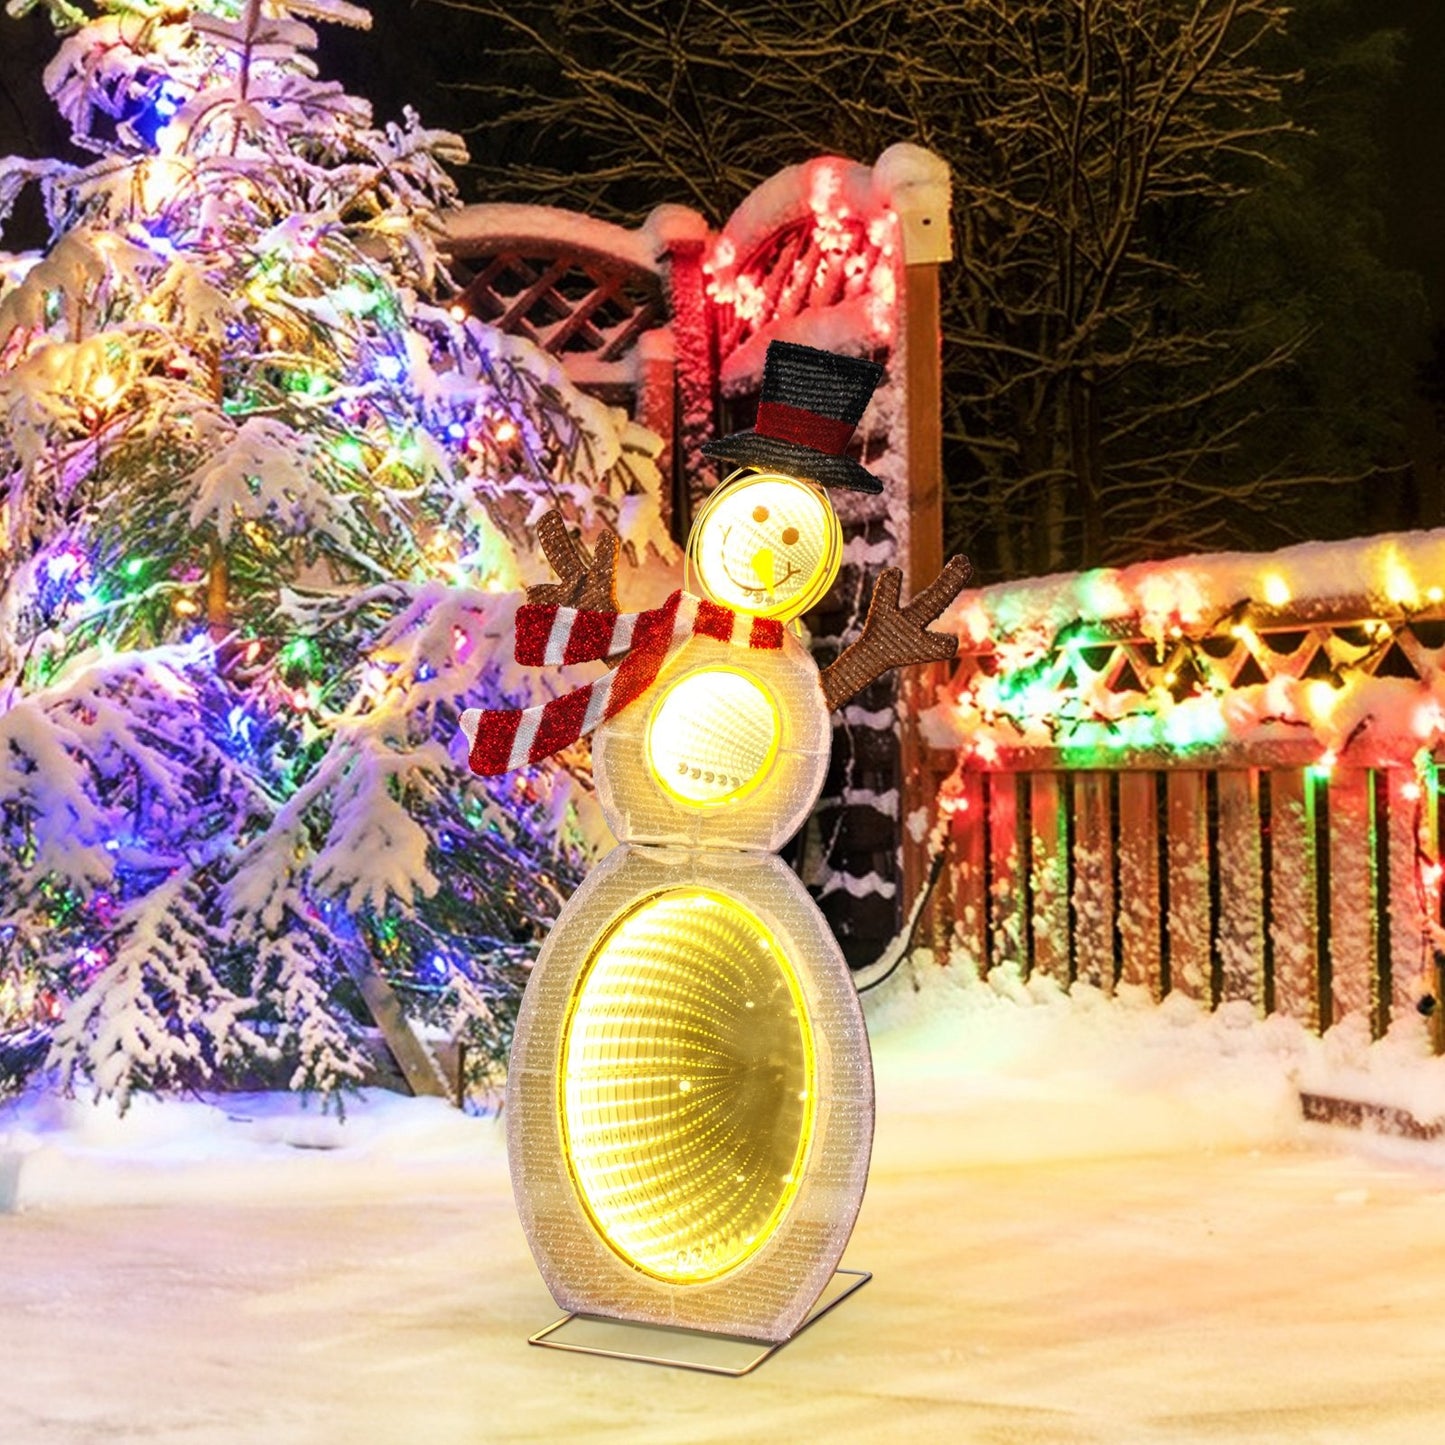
672	321
1218	775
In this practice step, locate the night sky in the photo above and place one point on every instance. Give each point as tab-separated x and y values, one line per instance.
418	50
1417	140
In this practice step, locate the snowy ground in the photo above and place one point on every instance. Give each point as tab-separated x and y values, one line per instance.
1087	1222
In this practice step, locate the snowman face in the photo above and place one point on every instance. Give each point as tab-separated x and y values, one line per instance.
766	544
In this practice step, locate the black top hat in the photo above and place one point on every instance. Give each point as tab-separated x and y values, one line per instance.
810	407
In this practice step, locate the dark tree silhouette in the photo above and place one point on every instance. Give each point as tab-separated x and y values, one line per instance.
1116	385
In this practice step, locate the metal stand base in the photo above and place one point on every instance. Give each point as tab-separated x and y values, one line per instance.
684	1349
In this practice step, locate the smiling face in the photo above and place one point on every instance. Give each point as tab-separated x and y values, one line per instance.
766	544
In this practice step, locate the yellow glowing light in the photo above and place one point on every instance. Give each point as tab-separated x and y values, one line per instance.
1399	584
157	181
976	622
687	1085
1435	594
766	544
1276	590
1321	698
713	736
275	335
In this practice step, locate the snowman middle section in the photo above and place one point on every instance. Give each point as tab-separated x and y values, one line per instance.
690	1097
728	749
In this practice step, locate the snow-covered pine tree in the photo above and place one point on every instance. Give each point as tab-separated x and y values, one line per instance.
267	504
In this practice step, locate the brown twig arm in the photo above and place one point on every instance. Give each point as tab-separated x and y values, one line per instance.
895	636
591	585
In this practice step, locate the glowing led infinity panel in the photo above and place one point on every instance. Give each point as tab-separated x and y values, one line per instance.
633	789
713	736
621	1223
687	1092
767	544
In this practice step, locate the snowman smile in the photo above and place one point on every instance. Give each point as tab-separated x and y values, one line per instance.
744	586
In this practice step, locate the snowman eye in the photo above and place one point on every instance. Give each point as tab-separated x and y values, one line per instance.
760	514
790	535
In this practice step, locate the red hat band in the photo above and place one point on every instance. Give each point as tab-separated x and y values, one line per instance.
786	423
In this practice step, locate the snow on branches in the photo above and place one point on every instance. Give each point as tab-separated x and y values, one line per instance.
260	493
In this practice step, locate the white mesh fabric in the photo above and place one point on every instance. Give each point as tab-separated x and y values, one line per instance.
768	1294
761	815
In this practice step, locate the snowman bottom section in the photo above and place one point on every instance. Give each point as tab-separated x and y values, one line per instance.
690	1097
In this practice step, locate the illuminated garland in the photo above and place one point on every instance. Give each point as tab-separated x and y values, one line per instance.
1205	656
840	252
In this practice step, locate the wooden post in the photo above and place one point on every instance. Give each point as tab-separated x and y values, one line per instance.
924	343
1094	900
920	198
1240	941
1352	896
417	1066
1140	914
935	927
969	882
919	685
1293	892
1007	939
1049	873
1430	831
657	405
1414	891
682	241
1189	862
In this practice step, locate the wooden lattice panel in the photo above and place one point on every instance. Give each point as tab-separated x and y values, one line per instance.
567	303
1109	669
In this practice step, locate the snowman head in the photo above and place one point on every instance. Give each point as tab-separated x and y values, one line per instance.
767	544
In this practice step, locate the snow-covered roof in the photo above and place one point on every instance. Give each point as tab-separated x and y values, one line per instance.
471	230
1383	574
1321	653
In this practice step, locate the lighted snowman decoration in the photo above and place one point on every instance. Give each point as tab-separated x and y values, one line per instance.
690	1095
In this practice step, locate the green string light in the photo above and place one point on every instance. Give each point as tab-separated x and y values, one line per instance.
300	652
350	453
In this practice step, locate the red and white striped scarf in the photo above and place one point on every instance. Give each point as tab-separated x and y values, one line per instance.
503	739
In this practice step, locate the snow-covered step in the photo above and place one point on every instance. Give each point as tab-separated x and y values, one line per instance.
1371	1117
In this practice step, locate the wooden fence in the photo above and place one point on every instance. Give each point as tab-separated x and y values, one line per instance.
1289	892
1244	808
